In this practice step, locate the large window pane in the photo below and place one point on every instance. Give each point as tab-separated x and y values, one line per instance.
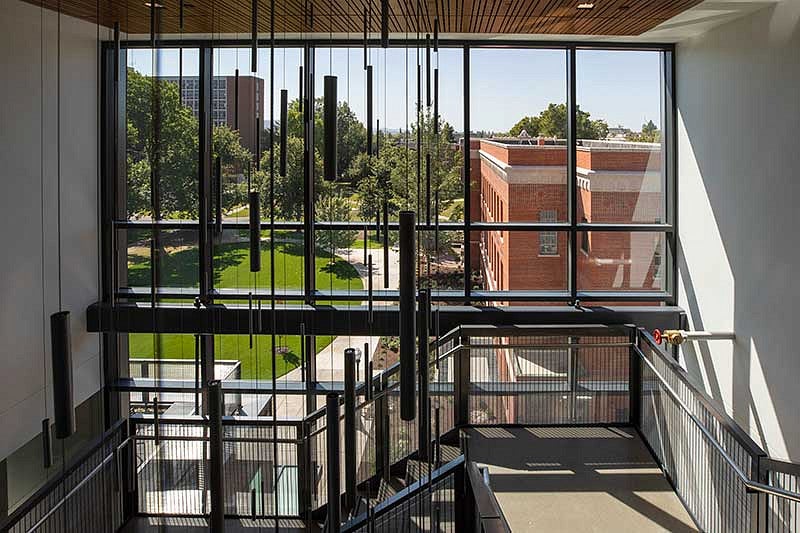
518	120
162	133
620	141
622	261
524	261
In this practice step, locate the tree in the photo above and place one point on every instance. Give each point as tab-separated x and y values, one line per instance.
552	122
234	160
351	133
168	153
649	134
289	189
529	124
333	206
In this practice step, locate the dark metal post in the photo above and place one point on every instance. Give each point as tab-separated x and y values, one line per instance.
424	433
367	373
217	468
635	381
461	507
461	359
407	314
350	428
382	431
334	465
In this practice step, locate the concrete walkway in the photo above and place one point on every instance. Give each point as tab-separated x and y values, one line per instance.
577	479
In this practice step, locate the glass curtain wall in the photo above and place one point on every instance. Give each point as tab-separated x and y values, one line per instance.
517	199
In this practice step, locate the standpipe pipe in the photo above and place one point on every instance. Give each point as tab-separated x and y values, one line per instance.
679	336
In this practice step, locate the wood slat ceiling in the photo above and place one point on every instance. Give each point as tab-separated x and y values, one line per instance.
608	17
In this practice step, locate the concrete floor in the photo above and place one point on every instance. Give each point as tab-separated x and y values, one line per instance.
577	479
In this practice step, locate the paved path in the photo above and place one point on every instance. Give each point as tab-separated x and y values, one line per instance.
330	360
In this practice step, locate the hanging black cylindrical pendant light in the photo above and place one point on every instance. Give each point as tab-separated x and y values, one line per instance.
369	110
63	412
47	446
236	101
334	461
436	34
300	92
329	127
180	15
428	68
385	23
255	232
407	314
254	37
424	376
218	195
428	188
378	138
284	130
436	101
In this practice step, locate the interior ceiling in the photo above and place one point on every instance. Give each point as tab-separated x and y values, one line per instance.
497	17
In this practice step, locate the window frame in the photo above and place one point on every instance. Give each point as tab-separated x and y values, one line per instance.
114	182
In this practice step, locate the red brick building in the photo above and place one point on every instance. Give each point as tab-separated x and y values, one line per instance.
525	180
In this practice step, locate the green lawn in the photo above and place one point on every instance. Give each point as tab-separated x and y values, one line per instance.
232	270
255	364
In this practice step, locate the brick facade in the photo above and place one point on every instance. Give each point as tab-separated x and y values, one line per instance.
619	182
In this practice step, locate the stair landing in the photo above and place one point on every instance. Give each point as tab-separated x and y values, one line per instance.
577	479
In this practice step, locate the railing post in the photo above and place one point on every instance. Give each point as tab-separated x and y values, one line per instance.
382	431
635	381
215	443
461	384
759	511
462	507
303	499
333	462
424	432
350	428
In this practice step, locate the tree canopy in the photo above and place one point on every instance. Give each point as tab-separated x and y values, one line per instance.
552	122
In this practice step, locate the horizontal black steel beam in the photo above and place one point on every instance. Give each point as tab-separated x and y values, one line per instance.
394	226
389	295
339	320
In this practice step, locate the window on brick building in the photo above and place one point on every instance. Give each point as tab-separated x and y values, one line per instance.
548	240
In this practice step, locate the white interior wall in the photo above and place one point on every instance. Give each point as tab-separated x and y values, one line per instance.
29	168
738	95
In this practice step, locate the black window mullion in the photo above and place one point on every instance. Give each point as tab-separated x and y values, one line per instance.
670	162
205	242
467	155
572	172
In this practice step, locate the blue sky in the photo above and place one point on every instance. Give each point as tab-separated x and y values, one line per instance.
621	87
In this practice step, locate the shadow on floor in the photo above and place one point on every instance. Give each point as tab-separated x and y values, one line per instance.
577	479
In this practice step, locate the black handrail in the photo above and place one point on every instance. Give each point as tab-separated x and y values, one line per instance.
709	403
51	484
487	508
407	493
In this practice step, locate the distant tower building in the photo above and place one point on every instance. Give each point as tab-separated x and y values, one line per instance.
223	97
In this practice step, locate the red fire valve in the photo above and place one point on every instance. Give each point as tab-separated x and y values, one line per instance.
657	336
